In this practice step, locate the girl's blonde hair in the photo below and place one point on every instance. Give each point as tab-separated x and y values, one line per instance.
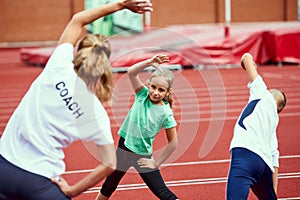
168	75
91	63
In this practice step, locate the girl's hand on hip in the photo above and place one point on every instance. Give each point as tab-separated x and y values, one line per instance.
146	163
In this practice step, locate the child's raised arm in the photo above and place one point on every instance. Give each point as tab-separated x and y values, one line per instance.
249	65
133	71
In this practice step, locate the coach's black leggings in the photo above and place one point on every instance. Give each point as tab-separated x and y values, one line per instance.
152	178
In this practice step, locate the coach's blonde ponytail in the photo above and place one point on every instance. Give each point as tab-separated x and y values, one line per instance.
91	63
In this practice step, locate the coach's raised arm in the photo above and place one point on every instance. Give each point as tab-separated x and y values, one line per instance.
64	104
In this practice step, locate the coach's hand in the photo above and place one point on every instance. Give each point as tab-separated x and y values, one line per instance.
137	6
63	185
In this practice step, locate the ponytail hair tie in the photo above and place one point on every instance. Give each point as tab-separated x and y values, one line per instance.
100	49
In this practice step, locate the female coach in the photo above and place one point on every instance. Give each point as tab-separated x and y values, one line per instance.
63	104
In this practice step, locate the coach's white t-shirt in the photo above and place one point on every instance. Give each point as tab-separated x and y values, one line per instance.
57	110
256	127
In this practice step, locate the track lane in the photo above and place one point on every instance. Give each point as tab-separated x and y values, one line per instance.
189	181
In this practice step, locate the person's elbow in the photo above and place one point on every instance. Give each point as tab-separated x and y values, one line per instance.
108	156
108	167
131	72
79	20
174	143
111	164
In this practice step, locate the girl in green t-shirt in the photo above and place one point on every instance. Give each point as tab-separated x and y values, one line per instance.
150	112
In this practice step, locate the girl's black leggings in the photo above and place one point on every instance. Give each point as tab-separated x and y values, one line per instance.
152	177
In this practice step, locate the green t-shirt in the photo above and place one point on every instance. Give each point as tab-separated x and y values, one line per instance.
143	123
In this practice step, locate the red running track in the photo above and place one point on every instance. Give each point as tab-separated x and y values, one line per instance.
207	101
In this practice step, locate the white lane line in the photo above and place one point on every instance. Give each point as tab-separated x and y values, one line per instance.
187	164
202	181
